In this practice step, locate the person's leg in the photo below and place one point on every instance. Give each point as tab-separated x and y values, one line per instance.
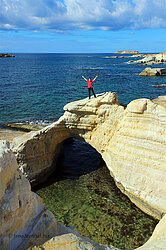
93	93
89	92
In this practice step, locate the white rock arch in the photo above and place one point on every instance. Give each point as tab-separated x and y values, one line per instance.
131	140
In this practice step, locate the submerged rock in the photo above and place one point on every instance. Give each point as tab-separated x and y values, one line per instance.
25	127
96	207
153	72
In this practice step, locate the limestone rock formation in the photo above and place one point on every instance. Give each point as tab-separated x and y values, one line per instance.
25	127
127	52
131	142
146	59
9	135
74	241
25	222
160	100
153	72
150	59
24	219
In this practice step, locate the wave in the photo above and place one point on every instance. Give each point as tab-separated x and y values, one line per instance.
93	68
38	121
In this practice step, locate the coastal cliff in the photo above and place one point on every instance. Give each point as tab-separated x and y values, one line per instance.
25	221
26	224
23	216
131	141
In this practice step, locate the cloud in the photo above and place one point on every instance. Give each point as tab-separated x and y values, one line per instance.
68	15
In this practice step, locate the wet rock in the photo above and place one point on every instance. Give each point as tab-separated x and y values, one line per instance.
5	55
153	72
160	86
25	127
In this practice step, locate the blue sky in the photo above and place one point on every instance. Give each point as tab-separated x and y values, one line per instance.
82	25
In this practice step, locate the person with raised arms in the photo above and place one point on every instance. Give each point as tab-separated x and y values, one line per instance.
90	86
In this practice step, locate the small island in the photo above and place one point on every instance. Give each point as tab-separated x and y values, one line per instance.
127	52
6	55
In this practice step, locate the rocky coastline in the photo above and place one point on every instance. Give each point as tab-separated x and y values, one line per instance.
26	127
5	55
146	59
131	141
151	59
127	52
153	72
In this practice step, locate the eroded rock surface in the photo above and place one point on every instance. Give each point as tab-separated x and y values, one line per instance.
132	142
74	241
150	59
153	72
25	222
24	218
25	127
160	100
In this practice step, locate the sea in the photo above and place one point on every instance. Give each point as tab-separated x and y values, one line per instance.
35	87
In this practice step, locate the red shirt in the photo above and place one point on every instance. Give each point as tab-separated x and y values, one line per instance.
90	84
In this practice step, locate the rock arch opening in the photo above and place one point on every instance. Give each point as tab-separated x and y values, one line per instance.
81	193
77	158
74	158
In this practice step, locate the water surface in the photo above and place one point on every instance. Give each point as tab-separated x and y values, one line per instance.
35	87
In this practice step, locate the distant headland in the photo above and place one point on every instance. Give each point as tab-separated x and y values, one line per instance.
127	52
6	55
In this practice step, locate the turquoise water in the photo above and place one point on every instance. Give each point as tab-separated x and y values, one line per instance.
91	202
35	87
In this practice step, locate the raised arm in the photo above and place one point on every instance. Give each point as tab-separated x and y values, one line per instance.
84	78
95	78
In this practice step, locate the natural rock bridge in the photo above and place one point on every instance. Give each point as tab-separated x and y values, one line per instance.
131	140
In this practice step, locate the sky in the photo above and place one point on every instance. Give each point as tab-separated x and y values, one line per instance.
82	26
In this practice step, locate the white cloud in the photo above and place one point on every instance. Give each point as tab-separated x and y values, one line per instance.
58	15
